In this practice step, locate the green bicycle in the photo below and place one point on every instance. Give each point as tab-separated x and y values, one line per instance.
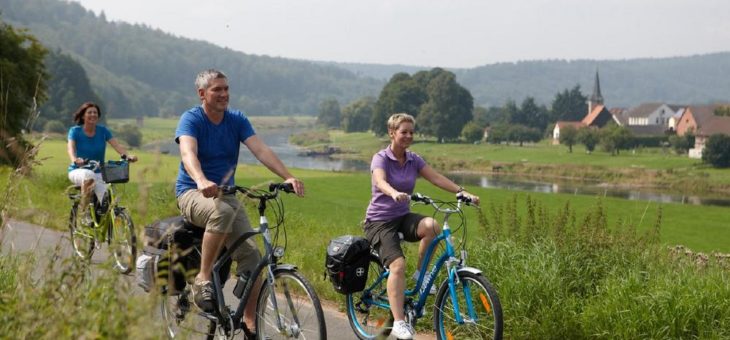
104	221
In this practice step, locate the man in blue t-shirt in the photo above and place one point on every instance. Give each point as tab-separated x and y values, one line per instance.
209	136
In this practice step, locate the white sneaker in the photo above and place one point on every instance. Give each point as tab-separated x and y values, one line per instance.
426	278
402	330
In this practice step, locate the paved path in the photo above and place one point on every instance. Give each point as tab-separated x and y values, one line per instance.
18	236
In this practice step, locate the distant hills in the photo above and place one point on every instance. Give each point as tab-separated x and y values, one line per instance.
697	79
138	70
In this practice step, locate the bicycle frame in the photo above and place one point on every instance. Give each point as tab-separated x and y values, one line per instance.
269	261
104	224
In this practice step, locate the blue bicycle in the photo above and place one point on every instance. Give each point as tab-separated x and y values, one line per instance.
466	305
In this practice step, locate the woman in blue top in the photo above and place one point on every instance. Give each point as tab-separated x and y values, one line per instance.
394	173
87	141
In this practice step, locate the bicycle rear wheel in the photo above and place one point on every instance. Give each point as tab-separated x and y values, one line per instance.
472	290
82	235
181	317
297	308
123	241
368	311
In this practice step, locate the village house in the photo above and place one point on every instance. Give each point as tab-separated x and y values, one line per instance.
702	122
652	114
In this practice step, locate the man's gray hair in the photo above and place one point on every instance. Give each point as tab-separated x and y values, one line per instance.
202	81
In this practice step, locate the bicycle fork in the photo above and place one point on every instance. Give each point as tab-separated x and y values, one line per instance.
291	330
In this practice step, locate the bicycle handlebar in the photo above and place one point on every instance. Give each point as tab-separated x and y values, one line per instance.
93	164
460	198
274	188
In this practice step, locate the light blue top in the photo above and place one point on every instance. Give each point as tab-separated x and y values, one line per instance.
402	178
218	145
91	148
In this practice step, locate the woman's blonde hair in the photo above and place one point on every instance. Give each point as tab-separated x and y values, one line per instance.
397	119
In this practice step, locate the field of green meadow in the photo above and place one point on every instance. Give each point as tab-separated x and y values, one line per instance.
565	266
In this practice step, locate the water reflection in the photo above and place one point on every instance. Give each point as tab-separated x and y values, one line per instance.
582	188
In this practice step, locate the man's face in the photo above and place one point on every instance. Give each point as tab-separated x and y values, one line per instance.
215	97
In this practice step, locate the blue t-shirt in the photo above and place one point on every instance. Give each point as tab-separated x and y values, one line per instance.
91	148
218	145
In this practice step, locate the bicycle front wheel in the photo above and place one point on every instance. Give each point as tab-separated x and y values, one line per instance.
82	234
478	306
123	242
297	313
368	311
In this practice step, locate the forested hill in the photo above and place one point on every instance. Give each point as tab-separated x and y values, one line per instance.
624	83
137	70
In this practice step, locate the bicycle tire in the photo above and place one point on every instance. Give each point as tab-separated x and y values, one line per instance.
298	307
123	242
488	323
367	320
180	316
82	237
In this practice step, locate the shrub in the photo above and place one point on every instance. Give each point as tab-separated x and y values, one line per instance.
130	134
54	126
717	151
472	132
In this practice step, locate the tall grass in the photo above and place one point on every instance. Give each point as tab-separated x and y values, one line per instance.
562	276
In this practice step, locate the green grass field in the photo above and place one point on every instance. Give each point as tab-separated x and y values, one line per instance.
344	196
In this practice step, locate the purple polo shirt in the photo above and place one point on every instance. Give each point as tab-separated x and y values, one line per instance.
402	178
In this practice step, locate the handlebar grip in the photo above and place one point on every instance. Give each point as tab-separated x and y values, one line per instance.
461	197
417	197
228	189
286	187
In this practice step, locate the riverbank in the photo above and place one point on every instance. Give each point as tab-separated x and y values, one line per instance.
647	167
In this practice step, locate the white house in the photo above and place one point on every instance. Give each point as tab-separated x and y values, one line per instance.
652	114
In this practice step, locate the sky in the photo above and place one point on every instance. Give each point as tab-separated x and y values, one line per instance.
448	33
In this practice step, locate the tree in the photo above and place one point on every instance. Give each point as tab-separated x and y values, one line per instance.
569	105
717	151
613	138
682	144
588	137
472	132
532	115
521	134
449	106
569	136
68	87
329	113
401	94
23	86
356	116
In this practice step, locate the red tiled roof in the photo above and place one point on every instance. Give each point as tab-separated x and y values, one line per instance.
593	115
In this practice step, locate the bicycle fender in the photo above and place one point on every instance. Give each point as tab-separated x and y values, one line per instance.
470	270
285	266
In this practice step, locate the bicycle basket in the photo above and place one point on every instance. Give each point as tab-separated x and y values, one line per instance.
115	172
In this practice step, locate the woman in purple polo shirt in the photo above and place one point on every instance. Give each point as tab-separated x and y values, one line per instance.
394	172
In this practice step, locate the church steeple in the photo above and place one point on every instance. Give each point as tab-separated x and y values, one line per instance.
596	98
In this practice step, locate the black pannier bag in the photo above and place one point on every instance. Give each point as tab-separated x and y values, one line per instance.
171	255
347	263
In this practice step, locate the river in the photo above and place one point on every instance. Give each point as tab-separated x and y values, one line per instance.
292	156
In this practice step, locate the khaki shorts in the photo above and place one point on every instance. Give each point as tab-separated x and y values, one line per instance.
383	235
222	215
